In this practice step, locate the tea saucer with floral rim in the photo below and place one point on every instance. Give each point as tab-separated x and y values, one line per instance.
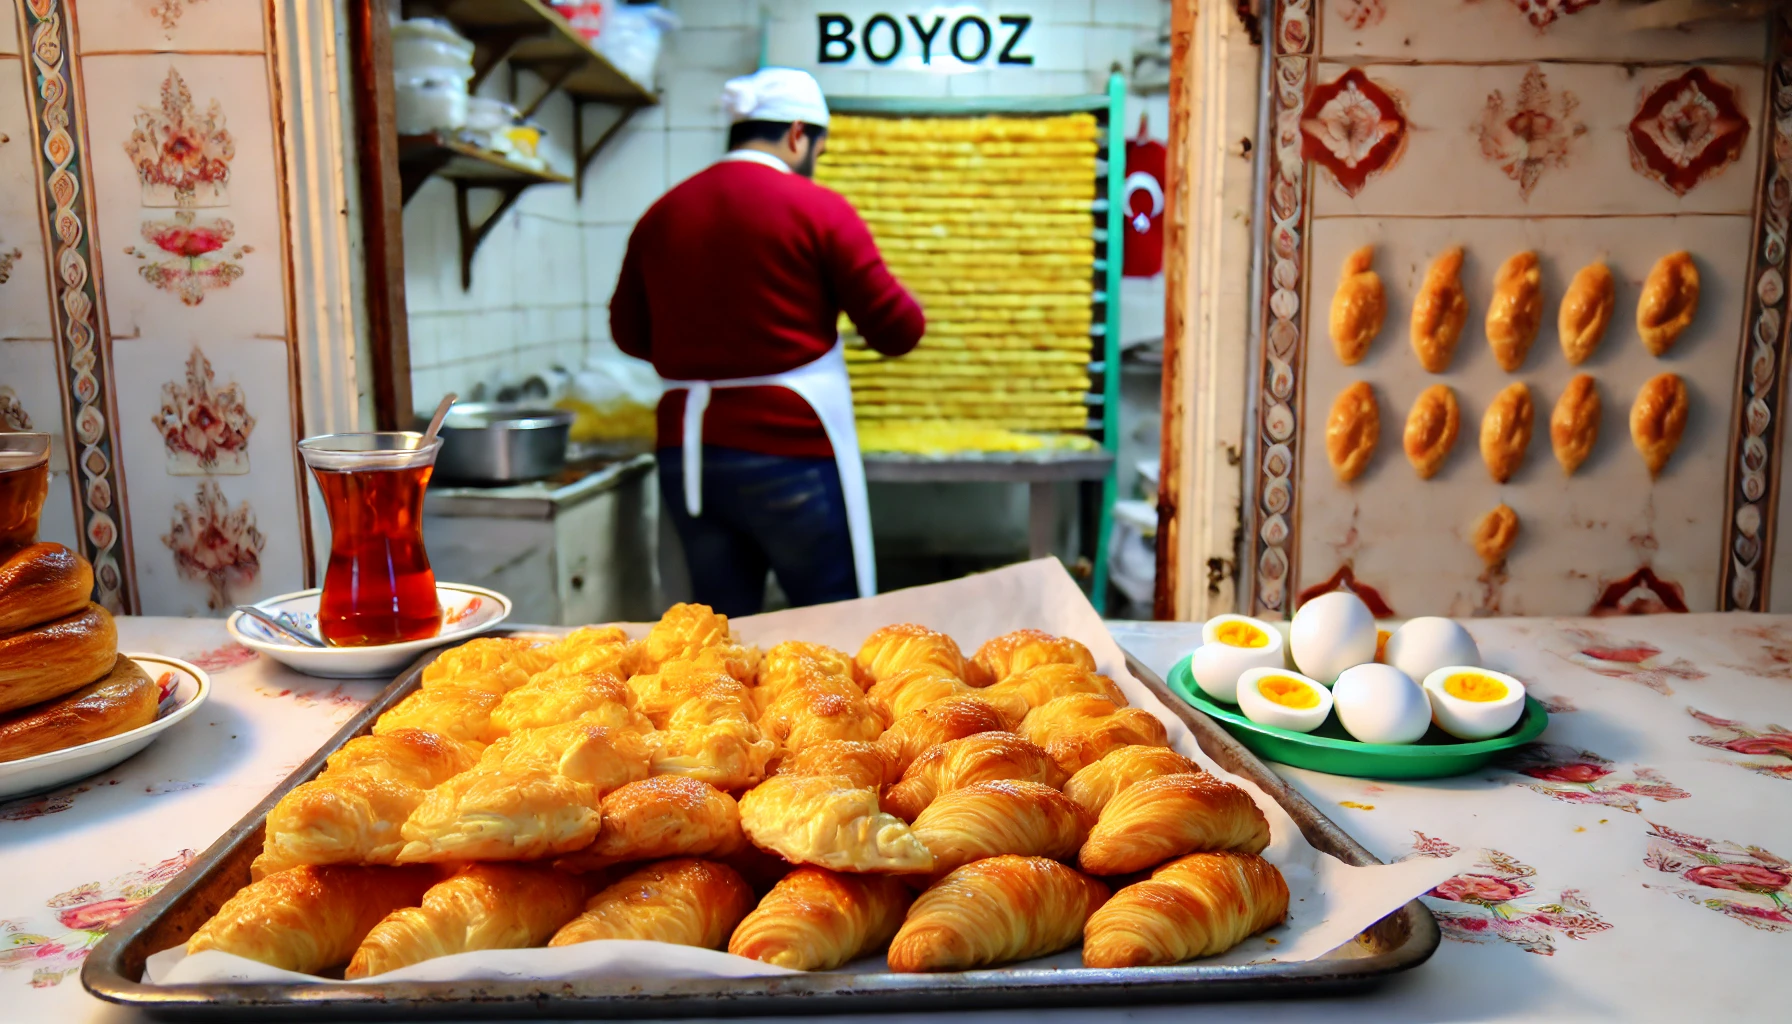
467	611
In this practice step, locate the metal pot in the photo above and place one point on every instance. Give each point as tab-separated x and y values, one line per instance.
493	443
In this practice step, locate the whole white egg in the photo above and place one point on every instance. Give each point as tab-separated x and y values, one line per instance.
1235	645
1284	699
1424	645
1331	633
1381	704
1472	703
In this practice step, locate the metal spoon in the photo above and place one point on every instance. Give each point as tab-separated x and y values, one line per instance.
284	629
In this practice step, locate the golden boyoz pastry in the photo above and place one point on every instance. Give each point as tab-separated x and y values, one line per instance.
1516	310
1157	819
1574	425
1080	729
41	583
828	821
486	906
665	816
687	902
1023	691
794	660
819	710
1431	429
493	664
122	700
1658	419
559	698
910	646
1199	905
1357	307
1495	534
904	690
988	819
1586	312
1506	431
461	713
817	920
939	722
1352	430
868	765
995	911
1097	783
1669	302
310	918
56	657
984	757
1439	312
1023	649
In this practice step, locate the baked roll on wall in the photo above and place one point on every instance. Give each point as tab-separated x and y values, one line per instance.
983	757
817	920
828	821
687	902
1096	784
1080	729
487	906
995	911
665	816
942	721
1023	649
987	819
1171	815
311	918
1199	905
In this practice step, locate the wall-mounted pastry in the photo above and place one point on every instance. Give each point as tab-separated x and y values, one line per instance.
1670	300
1439	311
1357	307
1658	419
1506	431
1574	425
1516	310
1495	534
1586	312
1352	430
1431	429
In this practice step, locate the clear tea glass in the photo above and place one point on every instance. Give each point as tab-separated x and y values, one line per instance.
379	588
24	484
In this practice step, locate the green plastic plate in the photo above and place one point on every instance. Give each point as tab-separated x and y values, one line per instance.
1330	749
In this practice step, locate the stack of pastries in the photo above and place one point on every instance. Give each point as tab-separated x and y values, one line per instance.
62	680
799	806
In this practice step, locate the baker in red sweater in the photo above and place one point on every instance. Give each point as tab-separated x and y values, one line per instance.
732	287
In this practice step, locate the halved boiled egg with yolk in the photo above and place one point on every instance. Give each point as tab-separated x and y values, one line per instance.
1473	703
1284	699
1232	645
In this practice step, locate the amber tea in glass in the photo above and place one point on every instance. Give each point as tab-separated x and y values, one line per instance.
24	484
379	588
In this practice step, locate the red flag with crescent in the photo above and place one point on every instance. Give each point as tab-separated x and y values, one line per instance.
1142	204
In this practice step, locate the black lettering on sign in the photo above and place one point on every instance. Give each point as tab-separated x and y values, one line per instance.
958	31
926	35
1019	23
837	46
895	39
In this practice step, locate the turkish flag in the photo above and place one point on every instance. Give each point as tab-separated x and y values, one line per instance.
1142	204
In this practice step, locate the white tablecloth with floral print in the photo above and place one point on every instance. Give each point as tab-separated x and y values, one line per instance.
1635	863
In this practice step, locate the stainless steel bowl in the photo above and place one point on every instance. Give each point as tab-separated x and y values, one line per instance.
493	443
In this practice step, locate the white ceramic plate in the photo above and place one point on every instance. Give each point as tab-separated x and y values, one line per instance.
466	612
184	687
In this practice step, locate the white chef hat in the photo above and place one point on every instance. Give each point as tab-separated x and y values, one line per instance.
776	94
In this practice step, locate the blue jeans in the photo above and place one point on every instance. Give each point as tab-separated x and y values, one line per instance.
761	512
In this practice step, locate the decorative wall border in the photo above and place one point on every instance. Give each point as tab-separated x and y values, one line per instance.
1752	495
83	346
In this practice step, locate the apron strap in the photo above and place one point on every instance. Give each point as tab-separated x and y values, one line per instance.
696	402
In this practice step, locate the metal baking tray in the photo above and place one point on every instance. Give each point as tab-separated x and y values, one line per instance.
113	972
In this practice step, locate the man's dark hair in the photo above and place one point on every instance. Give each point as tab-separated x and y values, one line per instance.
744	132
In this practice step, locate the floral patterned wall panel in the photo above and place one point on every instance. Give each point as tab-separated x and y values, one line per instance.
1479	162
173	181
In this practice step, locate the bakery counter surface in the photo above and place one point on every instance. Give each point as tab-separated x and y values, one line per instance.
1634	864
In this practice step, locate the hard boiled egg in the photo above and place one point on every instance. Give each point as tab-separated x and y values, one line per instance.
1284	699
1424	645
1472	703
1231	646
1381	704
1331	633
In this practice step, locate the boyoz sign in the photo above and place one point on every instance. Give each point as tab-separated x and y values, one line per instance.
949	36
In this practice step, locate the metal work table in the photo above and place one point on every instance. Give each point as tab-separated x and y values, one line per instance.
1038	470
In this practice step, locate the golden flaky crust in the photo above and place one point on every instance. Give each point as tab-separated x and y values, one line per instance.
679	684
995	911
817	920
1358	307
828	821
694	632
1199	905
1516	310
1574	425
988	819
1152	821
494	664
820	709
1352	430
905	690
557	699
1080	729
1024	649
486	906
1439	312
686	902
1431	429
939	722
1658	419
1669	301
955	764
793	660
122	700
1506	431
1034	687
1096	784
309	919
866	764
56	657
910	646
458	712
41	583
665	816
1586	312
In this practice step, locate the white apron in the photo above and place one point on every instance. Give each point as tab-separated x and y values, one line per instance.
823	384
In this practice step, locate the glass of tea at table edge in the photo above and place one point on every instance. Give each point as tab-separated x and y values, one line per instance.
378	588
24	484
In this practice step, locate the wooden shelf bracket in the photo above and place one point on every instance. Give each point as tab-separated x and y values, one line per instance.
583	154
471	235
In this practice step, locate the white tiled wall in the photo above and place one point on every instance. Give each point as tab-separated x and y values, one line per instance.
542	279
